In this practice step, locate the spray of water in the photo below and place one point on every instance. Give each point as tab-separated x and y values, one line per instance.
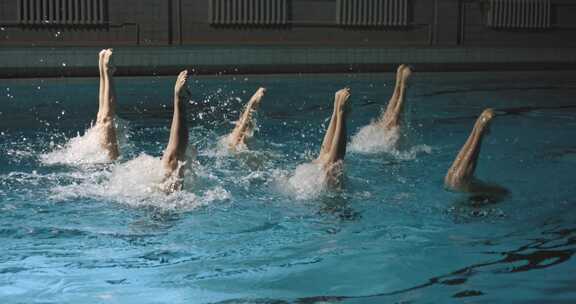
139	182
87	149
307	182
372	139
82	149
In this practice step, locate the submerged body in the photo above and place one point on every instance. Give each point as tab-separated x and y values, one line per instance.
245	125
460	176
105	123
333	147
175	153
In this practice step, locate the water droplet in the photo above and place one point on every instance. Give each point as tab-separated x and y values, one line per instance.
38	87
63	112
63	64
58	34
2	29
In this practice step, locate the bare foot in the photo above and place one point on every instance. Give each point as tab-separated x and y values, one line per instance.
180	89
107	63
101	57
487	115
256	98
406	72
342	97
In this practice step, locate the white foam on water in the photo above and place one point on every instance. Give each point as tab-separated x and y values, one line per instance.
372	139
139	182
308	181
82	149
412	153
87	148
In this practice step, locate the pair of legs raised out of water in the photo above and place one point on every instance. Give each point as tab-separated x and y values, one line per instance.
333	147
460	176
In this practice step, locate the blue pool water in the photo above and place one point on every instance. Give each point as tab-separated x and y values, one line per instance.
73	230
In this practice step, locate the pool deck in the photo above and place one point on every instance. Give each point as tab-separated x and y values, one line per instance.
20	62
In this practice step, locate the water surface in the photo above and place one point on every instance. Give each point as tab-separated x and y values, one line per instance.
79	232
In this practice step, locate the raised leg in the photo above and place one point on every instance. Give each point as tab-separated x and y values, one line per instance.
175	153
391	118
244	125
107	105
334	145
102	80
460	176
337	148
329	136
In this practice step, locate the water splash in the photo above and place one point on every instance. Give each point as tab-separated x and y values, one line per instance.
87	149
372	139
222	147
308	181
138	183
82	149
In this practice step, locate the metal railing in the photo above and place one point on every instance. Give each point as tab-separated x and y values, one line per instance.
62	12
384	13
249	12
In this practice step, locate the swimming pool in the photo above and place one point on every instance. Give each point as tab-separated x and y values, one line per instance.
73	232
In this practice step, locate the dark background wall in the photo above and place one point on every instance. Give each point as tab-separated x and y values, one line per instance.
310	23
